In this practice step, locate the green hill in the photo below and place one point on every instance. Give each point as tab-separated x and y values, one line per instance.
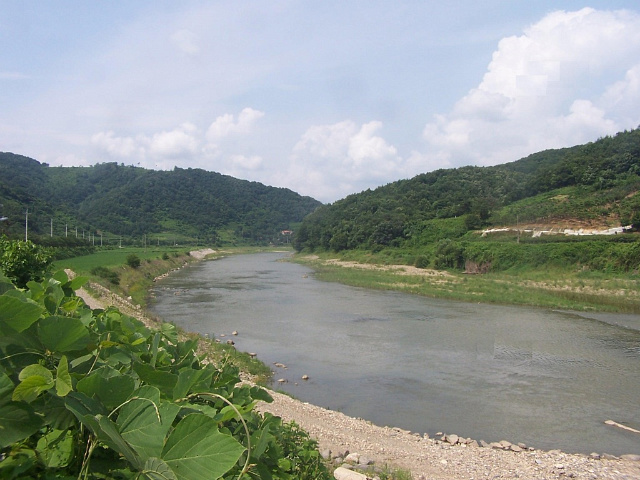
124	201
594	185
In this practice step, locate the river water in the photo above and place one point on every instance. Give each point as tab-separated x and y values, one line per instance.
546	378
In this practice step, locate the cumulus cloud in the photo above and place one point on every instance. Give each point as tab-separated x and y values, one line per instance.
179	142
556	85
187	145
330	161
125	147
226	124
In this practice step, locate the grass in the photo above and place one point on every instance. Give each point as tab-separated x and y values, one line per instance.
551	288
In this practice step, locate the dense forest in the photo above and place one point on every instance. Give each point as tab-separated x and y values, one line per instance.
595	185
114	201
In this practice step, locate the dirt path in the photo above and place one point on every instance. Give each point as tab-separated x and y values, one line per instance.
425	458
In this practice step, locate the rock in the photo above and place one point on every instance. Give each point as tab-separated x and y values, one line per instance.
253	355
235	332
608	456
325	454
230	342
505	444
352	458
594	455
452	439
305	377
631	457
282	380
473	443
515	448
342	473
484	444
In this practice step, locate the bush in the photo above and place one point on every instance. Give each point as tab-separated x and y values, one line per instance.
22	261
107	274
96	394
449	254
422	261
133	260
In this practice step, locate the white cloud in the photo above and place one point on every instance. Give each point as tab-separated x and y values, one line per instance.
226	125
554	86
125	147
331	161
178	142
242	162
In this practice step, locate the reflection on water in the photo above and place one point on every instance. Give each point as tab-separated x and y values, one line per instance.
546	378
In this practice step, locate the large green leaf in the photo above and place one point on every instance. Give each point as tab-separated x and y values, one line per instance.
90	413
63	334
63	378
165	381
6	388
17	421
108	385
196	450
187	378
17	314
78	282
108	433
34	379
156	469
55	449
144	422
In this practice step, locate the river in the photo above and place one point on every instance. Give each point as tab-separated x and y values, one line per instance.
543	377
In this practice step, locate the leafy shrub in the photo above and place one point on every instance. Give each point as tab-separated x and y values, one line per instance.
449	254
22	261
96	394
422	261
133	260
165	256
107	274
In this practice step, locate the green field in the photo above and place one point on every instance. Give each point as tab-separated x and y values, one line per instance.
113	258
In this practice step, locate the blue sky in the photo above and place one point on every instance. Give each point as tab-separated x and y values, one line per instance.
325	98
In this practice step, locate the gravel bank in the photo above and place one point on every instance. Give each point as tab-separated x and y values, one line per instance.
434	459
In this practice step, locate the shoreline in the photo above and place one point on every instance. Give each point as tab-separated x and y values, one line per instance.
426	458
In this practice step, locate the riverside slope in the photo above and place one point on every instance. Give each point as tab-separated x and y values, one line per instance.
425	458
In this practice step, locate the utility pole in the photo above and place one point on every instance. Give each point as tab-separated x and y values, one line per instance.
51	228
26	225
66	233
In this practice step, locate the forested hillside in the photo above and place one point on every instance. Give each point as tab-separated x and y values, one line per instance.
594	184
116	200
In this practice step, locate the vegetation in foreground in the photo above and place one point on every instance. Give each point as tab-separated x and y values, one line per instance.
96	394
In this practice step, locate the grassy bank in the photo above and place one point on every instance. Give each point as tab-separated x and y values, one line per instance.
553	288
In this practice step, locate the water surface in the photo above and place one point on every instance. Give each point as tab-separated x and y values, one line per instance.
546	378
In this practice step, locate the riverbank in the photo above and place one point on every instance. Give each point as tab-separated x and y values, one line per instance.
579	291
430	458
